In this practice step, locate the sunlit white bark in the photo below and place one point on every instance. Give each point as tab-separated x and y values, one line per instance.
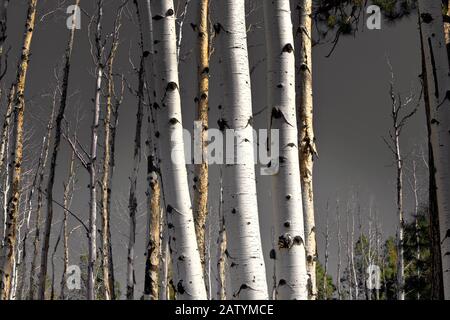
244	250
290	261
187	270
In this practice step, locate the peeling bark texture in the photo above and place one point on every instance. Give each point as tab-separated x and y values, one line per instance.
153	241
108	163
8	252
286	190
92	165
201	170
437	71
56	145
187	271
306	141
244	249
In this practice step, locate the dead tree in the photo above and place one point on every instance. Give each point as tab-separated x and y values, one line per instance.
399	119
18	100
56	145
109	141
132	204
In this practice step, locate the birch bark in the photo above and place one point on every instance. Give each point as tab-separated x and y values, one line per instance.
244	249
187	270
437	71
153	241
286	190
306	133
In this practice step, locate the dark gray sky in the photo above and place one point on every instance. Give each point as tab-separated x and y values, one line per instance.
352	113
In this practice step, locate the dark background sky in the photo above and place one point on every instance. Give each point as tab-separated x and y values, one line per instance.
352	113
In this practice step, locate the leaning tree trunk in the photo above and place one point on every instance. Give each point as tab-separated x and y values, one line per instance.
187	270
244	249
7	255
51	177
201	169
290	265
437	72
306	141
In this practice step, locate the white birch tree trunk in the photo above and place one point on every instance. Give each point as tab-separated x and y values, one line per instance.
286	190
187	269
437	72
244	249
303	37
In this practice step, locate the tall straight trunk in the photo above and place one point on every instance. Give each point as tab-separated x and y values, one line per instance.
187	270
132	204
69	187
286	190
201	170
51	177
400	215
221	248
106	181
92	165
153	193
437	289
437	71
7	259
244	249
306	141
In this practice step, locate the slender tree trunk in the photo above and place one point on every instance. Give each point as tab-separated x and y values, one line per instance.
244	249
400	262
69	187
339	250
187	271
35	186
286	190
201	170
106	181
416	223
56	145
153	193
327	244
307	147
6	262
437	70
221	249
132	205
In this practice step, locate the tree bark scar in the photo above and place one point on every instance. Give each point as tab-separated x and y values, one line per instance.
433	63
